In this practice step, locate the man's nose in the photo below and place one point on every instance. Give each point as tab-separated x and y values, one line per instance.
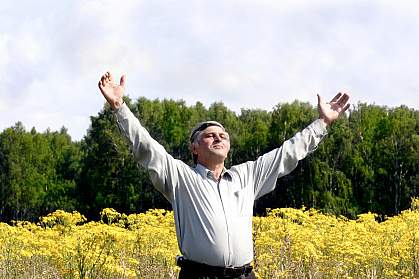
217	137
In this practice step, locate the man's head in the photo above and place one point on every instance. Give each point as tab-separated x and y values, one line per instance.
210	143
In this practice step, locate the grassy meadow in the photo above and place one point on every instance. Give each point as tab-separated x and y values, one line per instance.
289	243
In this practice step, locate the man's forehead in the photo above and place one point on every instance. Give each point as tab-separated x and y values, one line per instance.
202	126
214	129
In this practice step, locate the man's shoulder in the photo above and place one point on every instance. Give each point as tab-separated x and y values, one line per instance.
240	168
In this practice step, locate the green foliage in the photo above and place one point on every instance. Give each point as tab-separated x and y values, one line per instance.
385	158
252	140
368	162
38	172
109	175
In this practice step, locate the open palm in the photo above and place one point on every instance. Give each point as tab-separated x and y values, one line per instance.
331	111
111	91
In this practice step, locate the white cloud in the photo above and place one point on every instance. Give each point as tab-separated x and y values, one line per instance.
251	54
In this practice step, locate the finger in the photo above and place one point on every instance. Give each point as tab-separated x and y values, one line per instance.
101	88
101	82
319	99
346	97
122	81
104	79
336	97
346	107
343	100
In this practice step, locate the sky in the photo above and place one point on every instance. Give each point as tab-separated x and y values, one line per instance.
246	54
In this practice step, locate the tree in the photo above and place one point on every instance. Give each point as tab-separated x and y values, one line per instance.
33	181
368	162
287	120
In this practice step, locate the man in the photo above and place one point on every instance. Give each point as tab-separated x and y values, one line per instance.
213	206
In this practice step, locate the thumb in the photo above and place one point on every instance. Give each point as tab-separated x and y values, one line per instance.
122	81
319	99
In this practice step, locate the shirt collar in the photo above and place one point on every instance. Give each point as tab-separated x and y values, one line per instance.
206	173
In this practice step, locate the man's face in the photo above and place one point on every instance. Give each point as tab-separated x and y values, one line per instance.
212	146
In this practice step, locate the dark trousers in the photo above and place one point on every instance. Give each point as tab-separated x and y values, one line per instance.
193	270
194	274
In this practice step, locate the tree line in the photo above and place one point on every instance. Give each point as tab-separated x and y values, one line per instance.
368	162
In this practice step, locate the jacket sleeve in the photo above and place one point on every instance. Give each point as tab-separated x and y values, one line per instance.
281	161
147	151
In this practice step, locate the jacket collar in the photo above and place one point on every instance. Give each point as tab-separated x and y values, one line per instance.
206	173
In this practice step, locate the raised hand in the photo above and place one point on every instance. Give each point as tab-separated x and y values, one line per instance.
111	91
329	112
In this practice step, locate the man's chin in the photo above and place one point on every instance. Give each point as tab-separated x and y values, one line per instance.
220	155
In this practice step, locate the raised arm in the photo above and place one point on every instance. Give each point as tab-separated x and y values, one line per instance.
147	152
281	161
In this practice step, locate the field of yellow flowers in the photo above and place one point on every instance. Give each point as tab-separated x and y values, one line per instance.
289	243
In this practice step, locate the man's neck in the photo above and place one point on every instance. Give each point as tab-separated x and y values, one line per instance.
216	169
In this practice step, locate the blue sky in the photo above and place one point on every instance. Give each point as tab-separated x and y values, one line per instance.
247	54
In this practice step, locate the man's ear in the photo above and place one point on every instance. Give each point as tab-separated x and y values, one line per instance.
193	147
